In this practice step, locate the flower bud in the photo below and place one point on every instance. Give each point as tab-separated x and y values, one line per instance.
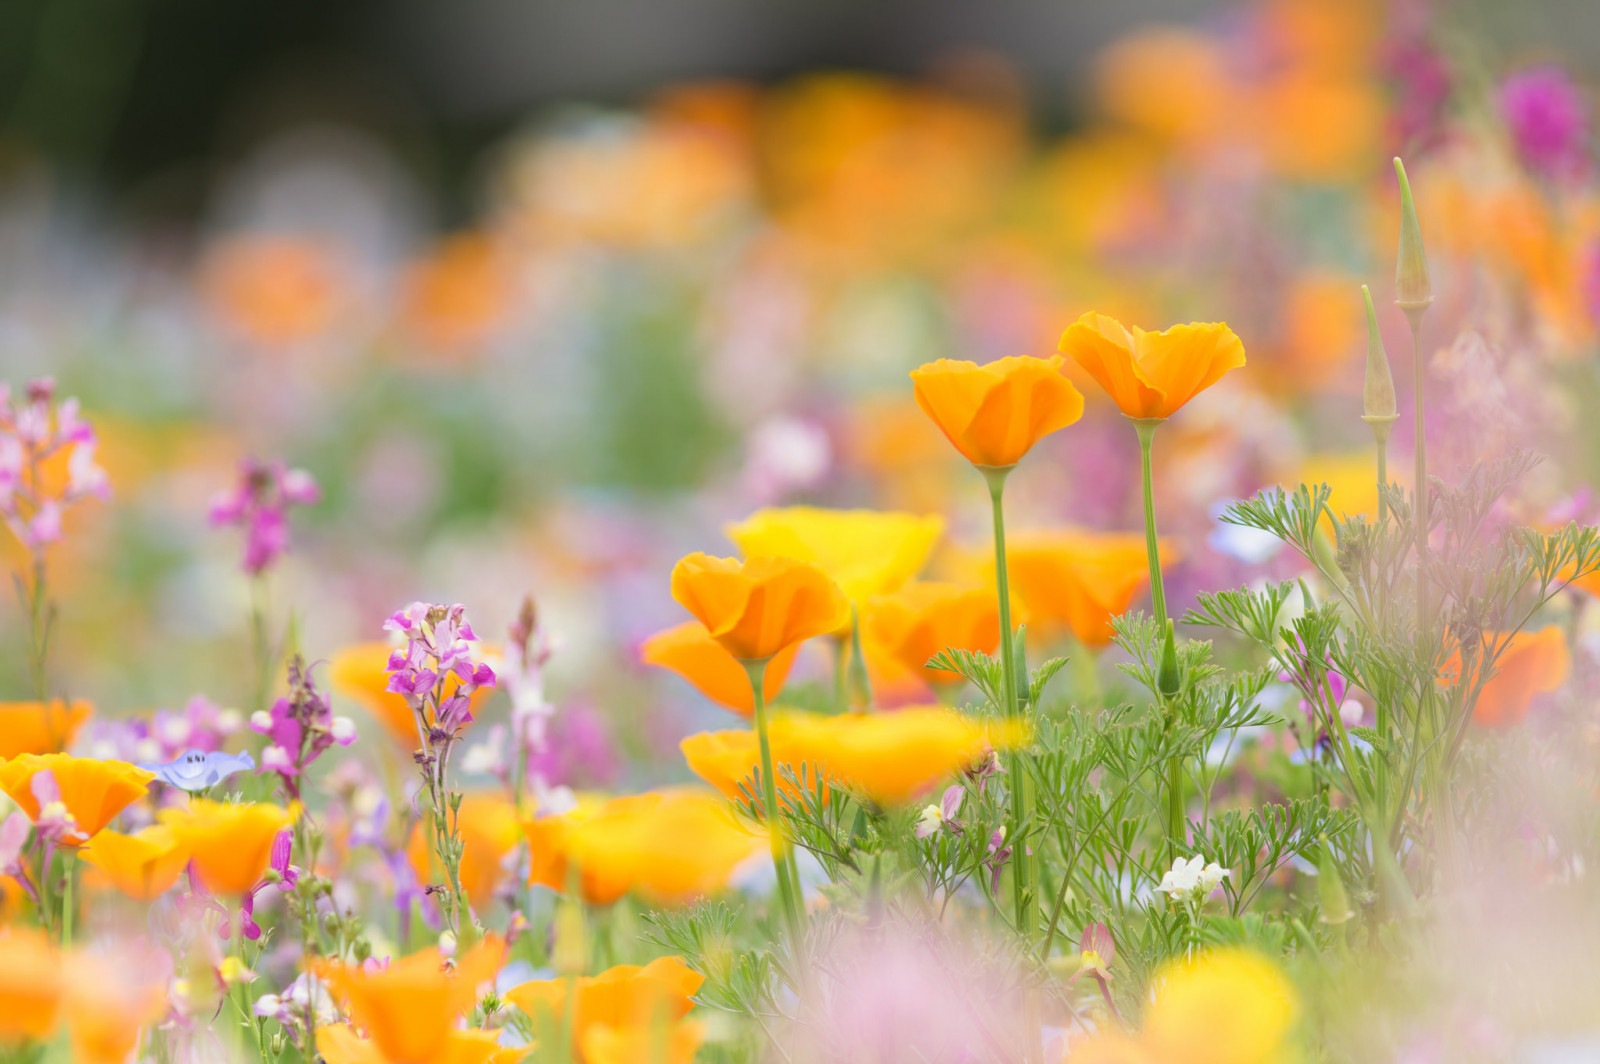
1169	680
1378	407
1413	290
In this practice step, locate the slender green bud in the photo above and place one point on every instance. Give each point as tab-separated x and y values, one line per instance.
1331	896
1413	290
1378	406
1169	680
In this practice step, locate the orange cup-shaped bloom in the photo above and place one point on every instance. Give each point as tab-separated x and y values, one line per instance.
31	983
1079	579
1151	375
725	759
411	1008
865	552
359	673
1533	664
489	831
93	791
688	650
918	621
40	727
670	846
142	865
230	844
341	1045
996	412
759	607
624	998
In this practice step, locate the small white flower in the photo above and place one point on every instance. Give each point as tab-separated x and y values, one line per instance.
343	730
261	721
929	822
175	731
147	749
1192	879
276	758
228	721
481	758
447	943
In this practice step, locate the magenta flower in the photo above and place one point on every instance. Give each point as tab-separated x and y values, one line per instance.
438	645
30	433
301	726
259	504
1545	113
280	873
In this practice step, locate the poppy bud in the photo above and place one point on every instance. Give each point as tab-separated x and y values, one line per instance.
1413	290
1378	407
1169	680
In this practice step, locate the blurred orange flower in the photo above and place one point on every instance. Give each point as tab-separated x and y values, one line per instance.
142	865
670	845
359	673
489	831
230	844
1532	664
110	997
759	607
34	728
93	791
674	1044
727	758
1151	375
995	413
275	289
31	984
1079	579
341	1045
865	552
458	294
625	1000
411	1008
919	620
688	650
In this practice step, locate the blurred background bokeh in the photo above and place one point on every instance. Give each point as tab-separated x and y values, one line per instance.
545	293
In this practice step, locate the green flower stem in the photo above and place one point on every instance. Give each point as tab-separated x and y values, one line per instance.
1420	517
782	856
1146	427
69	860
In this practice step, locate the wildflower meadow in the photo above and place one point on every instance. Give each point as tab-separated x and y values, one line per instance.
834	568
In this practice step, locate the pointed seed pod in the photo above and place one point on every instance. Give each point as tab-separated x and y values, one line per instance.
1169	680
1413	290
1378	406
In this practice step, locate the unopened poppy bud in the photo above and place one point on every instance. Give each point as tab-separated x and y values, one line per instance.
1169	680
1413	290
1378	406
1331	896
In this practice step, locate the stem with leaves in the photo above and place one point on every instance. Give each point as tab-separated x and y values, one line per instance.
782	854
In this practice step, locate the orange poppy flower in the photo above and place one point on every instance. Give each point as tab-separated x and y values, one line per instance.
31	984
276	289
1151	375
1079	579
728	758
109	999
688	650
670	845
142	865
340	1045
759	607
93	791
454	298
34	728
230	844
410	1008
1533	664
359	673
623	999
996	412
865	552
489	831
920	620
677	1044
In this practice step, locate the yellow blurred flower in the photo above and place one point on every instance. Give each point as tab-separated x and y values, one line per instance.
996	412
38	728
669	845
865	552
142	865
626	1001
759	607
230	844
489	831
689	650
92	790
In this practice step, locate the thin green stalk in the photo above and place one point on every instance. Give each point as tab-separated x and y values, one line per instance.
1420	517
1146	427
782	858
69	859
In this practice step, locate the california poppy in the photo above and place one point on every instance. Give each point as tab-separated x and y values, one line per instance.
411	1007
142	865
1532	664
726	759
93	791
40	727
996	412
359	672
338	1044
111	995
1151	375
759	607
30	984
865	552
1079	579
624	998
674	1043
489	831
670	845
920	620
688	650
230	844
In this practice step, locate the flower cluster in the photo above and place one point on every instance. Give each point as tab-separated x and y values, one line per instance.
300	725
259	504
1192	879
435	672
36	434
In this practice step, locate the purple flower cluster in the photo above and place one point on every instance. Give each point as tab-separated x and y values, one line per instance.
438	647
301	726
167	734
33	432
259	504
1545	113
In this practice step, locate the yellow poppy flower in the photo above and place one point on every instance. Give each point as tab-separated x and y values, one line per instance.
230	844
865	552
996	412
759	607
142	865
1151	375
93	791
